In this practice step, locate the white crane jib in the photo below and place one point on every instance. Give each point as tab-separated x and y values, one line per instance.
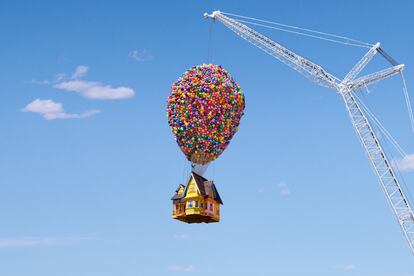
346	88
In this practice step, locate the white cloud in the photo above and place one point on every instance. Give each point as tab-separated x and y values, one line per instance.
80	71
404	164
88	89
39	241
58	77
179	268
283	188
140	55
42	82
345	267
95	90
51	110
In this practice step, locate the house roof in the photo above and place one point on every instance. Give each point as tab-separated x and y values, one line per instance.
176	195
204	185
216	194
179	186
199	180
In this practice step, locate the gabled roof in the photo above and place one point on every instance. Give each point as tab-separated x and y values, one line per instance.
176	195
179	186
205	186
216	194
199	180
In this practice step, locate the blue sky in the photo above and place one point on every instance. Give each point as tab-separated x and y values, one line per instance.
87	170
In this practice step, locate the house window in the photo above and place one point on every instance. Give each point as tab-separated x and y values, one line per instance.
211	206
196	203
190	204
201	204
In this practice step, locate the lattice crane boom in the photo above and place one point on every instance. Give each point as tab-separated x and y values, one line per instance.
375	77
362	63
306	67
346	88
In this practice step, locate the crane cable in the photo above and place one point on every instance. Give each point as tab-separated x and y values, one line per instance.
407	101
302	31
304	34
381	127
393	142
210	43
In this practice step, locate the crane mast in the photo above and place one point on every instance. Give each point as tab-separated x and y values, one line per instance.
346	88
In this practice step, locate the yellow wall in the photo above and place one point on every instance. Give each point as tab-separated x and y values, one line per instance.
194	195
180	190
192	190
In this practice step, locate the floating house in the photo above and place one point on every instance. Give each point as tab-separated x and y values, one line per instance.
196	202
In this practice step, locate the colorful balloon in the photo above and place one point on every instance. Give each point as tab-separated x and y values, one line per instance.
204	110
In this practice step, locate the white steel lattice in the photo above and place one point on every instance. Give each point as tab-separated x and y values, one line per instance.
306	67
382	167
392	188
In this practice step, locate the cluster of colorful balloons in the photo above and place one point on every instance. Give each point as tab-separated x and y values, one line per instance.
204	110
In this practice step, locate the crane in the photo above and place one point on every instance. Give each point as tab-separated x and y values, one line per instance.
347	88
